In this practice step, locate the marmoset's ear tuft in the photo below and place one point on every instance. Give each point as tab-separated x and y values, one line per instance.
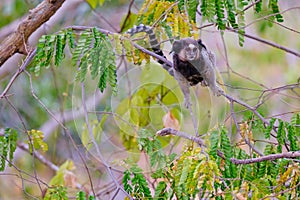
199	41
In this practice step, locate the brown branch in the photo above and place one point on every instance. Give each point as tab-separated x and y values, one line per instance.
39	156
232	99
170	131
266	158
16	42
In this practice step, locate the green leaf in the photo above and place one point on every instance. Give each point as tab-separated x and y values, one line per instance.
59	47
292	138
70	38
214	142
126	182
220	10
230	7
80	195
8	145
258	6
160	191
192	6
57	192
94	3
128	21
274	5
83	45
280	135
269	128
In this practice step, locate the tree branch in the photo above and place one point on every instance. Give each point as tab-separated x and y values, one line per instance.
273	44
16	42
266	158
170	131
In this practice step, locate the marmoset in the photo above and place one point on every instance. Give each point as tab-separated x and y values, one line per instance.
192	62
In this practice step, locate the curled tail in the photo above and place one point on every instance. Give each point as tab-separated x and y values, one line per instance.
153	42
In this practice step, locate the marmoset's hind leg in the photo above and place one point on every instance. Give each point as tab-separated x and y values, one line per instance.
210	79
185	88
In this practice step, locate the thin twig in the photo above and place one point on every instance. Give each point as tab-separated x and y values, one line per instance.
99	154
273	44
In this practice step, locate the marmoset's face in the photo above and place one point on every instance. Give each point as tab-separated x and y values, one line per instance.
187	49
191	52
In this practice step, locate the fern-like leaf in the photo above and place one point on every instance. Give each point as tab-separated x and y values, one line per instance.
80	195
59	48
258	6
230	169
70	38
208	9
192	6
58	192
37	142
140	185
50	43
280	135
269	128
295	121
184	172
83	45
292	138
8	145
220	10
274	5
160	191
126	182
214	141
83	68
230	7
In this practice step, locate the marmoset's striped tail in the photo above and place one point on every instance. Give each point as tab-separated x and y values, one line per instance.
153	42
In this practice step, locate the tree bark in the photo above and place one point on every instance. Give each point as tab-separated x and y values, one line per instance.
16	42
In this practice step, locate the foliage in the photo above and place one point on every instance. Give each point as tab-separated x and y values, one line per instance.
194	173
59	183
93	52
94	3
8	145
82	196
57	192
137	187
235	10
36	141
204	173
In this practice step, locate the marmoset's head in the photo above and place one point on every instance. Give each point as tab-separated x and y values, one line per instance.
188	49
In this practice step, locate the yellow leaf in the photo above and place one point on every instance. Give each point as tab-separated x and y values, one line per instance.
128	21
170	121
92	3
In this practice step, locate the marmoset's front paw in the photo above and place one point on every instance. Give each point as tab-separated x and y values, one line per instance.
187	102
217	91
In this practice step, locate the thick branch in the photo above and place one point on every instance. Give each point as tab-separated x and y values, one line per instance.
39	156
265	158
16	42
168	131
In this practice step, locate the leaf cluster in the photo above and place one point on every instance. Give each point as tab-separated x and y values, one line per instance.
36	140
195	174
229	13
91	52
8	145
